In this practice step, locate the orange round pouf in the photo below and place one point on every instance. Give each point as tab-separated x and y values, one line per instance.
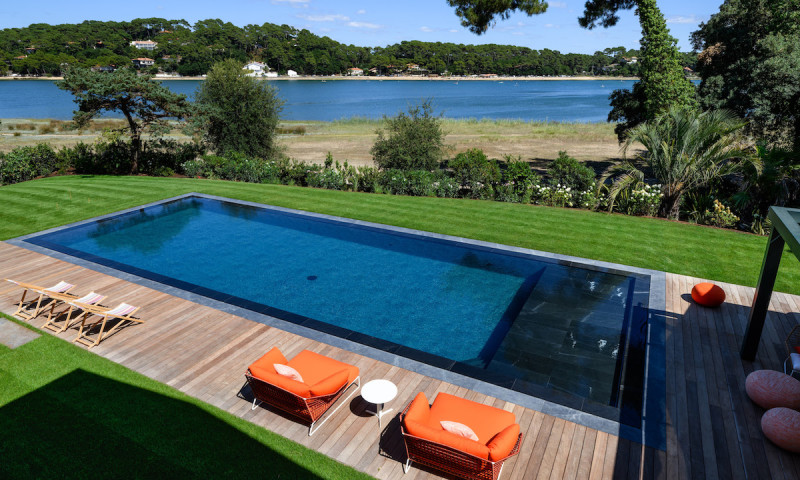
708	294
782	427
770	389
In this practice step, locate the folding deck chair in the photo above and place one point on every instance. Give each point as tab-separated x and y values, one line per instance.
91	298
122	313
61	288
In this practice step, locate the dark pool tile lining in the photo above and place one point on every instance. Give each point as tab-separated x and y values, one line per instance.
546	400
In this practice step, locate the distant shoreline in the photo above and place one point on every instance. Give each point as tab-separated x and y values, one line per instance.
379	79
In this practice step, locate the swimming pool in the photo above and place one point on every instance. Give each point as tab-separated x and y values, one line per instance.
574	334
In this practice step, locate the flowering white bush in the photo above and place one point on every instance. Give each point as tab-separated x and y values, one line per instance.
643	200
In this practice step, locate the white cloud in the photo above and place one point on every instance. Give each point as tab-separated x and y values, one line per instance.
363	25
324	18
683	19
290	1
426	29
361	12
453	30
557	4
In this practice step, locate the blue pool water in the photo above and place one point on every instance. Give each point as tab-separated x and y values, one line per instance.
525	322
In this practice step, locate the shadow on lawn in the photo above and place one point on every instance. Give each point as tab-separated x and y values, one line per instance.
87	426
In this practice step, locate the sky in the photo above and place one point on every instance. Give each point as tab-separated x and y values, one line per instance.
379	23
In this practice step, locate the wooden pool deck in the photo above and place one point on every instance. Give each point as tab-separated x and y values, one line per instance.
713	430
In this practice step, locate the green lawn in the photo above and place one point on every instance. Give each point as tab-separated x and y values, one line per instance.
716	254
67	413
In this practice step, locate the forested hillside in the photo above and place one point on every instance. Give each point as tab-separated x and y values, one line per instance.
42	49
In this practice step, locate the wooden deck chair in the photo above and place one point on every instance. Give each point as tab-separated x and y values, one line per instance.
23	307
74	303
123	313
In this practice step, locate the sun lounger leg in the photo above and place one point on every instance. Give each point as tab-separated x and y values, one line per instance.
255	404
21	302
407	465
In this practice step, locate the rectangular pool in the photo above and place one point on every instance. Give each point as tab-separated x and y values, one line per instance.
550	328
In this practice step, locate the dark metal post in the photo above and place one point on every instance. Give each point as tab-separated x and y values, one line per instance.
766	282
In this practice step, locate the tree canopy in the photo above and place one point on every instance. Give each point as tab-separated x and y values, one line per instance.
478	15
749	63
145	103
238	113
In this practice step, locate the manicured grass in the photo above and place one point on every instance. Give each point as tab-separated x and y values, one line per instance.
716	254
67	413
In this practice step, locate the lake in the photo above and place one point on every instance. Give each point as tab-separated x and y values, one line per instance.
556	100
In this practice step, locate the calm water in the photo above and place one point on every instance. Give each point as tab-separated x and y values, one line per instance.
559	100
524	322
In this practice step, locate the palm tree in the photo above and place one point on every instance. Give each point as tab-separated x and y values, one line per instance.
685	150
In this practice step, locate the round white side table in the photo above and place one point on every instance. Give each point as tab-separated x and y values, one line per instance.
379	392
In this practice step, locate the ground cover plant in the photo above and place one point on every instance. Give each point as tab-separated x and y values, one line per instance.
721	255
67	413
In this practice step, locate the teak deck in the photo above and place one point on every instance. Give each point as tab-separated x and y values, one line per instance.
713	429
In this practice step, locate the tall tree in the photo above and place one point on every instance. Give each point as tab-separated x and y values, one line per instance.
145	103
238	113
749	64
662	83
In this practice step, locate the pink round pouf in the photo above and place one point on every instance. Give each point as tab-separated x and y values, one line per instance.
770	389
782	427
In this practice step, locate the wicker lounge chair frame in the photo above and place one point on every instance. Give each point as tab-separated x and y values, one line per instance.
104	314
43	292
308	409
792	340
449	459
74	303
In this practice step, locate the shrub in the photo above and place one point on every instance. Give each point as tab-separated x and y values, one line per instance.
27	163
518	179
552	196
164	157
445	186
476	174
410	142
368	179
721	216
641	199
568	172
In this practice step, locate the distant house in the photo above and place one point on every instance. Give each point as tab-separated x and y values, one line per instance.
103	68
144	44
373	70
30	50
688	71
412	67
355	72
291	73
143	62
21	57
257	69
170	58
271	74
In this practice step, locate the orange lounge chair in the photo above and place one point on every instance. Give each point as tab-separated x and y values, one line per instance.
324	381
428	443
122	313
74	303
60	288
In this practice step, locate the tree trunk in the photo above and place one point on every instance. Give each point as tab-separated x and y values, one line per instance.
136	141
670	206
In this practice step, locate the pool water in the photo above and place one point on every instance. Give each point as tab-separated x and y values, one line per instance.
528	323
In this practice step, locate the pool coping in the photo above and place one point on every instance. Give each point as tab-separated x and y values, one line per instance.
653	421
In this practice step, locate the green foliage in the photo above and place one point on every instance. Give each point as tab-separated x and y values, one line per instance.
233	166
145	103
686	151
475	173
26	163
413	141
568	172
662	83
478	15
749	64
238	113
518	181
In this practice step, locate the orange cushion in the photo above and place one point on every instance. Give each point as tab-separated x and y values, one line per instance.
315	367
463	444
266	362
329	385
484	420
501	444
419	410
708	294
